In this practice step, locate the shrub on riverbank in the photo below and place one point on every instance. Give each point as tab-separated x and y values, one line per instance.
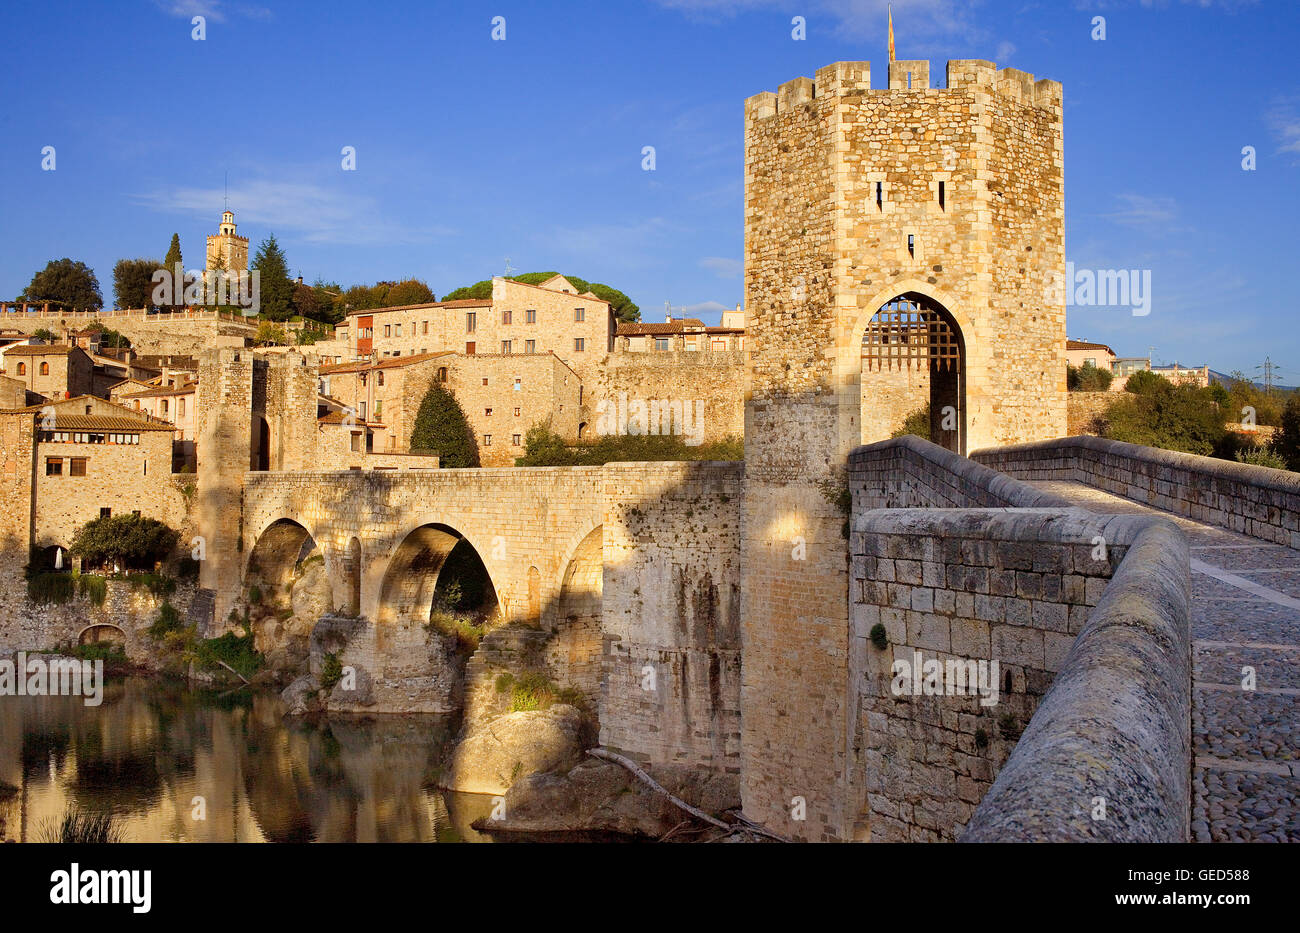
533	690
111	653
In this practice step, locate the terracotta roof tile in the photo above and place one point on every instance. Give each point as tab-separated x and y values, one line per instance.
47	349
107	423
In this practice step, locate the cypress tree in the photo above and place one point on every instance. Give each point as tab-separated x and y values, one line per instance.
170	263
441	427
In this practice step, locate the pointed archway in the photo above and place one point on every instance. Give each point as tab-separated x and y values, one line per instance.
914	360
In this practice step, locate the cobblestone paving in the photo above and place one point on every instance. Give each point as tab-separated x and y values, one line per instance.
1246	779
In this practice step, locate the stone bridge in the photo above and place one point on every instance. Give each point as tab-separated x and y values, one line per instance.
385	535
993	557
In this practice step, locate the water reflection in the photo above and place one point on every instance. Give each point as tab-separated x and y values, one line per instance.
155	755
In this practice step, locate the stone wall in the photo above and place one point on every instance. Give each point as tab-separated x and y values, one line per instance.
1014	585
958	586
504	395
1084	408
672	665
152	334
1253	500
1122	699
908	471
717	378
13	392
28	626
889	396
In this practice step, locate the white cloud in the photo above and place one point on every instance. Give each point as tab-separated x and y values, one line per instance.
722	267
1139	210
213	10
319	214
1284	121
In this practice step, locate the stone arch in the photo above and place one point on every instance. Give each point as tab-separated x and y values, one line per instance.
410	580
275	555
912	352
575	650
99	633
866	311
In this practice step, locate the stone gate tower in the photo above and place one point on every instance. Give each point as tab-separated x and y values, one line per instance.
255	411
903	246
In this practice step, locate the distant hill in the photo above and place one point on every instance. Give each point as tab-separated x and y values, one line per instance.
1226	380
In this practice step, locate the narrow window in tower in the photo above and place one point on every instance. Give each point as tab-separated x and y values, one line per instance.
880	195
909	80
911	245
942	193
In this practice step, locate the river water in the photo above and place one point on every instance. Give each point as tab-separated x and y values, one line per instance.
175	765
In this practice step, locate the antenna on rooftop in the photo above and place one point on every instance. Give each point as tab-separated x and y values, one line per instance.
508	269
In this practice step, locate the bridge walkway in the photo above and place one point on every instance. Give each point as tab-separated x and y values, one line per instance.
1245	615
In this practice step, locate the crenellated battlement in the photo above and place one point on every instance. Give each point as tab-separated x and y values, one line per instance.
848	79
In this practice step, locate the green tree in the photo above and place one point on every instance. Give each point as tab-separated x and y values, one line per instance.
270	334
306	302
442	428
1144	382
918	423
1088	378
409	292
132	541
275	284
44	333
329	301
171	262
67	284
1173	416
111	338
1287	441
1243	394
133	282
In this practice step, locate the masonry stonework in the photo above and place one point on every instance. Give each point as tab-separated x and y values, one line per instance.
843	215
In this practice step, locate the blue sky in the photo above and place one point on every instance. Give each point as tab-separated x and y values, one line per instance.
469	150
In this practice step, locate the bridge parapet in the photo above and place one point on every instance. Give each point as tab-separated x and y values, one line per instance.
969	614
1252	500
908	471
1122	697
